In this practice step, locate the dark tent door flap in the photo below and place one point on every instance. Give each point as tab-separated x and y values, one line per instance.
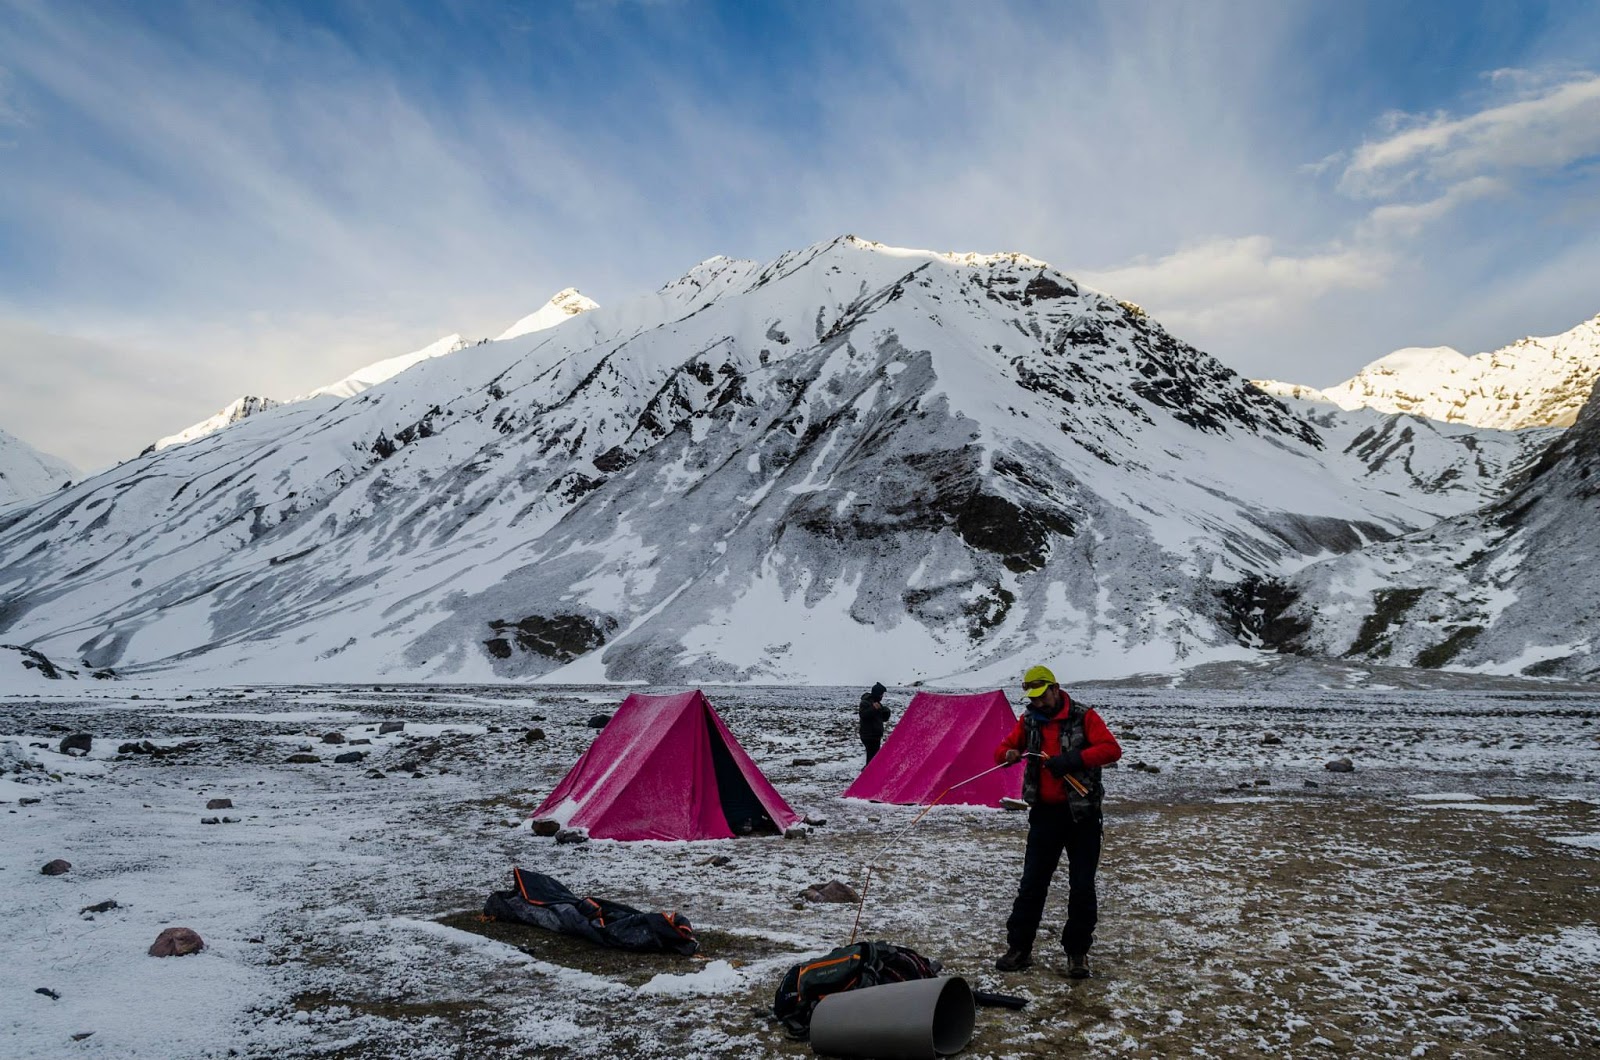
744	811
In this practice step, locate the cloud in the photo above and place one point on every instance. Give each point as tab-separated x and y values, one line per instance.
1554	126
1408	219
1239	282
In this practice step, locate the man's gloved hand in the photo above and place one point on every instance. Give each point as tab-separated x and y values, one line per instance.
1064	763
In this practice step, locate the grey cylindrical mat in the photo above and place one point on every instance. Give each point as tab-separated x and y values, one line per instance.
919	1020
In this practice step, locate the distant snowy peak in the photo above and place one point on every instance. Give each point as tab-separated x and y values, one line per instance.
1534	382
381	371
563	307
349	386
230	414
26	473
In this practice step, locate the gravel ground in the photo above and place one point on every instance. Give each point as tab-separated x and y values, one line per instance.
1440	900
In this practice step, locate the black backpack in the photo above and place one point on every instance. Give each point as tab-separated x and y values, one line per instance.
846	968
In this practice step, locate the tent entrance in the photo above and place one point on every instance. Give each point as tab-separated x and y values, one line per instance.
744	812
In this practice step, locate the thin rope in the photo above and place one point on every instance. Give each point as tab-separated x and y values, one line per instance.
872	864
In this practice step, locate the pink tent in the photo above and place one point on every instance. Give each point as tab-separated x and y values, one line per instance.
666	767
939	741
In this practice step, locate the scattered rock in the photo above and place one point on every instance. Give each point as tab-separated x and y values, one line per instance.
1312	784
599	721
1340	765
28	800
1263	783
230	820
545	828
815	822
832	891
78	742
354	743
220	804
333	737
1143	767
804	762
47	992
375	774
81	1035
349	757
303	760
799	831
390	726
533	736
568	836
1271	738
210	820
100	907
718	861
56	868
177	942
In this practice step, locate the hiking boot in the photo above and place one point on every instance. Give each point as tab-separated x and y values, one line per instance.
1014	960
1078	965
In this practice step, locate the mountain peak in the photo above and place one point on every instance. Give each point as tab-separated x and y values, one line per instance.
564	305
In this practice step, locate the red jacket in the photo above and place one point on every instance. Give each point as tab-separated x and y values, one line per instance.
1100	748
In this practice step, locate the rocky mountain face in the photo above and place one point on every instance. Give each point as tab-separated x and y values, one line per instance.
230	414
1512	588
1534	382
26	473
853	460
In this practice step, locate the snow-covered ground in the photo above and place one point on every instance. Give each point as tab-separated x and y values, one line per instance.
1438	901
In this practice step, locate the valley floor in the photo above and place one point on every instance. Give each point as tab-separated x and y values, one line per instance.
1442	900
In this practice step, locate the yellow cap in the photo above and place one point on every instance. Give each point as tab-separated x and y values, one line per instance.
1036	680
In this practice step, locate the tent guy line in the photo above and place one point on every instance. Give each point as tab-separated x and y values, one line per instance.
872	862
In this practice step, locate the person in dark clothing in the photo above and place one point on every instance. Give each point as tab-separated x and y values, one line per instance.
872	714
1065	745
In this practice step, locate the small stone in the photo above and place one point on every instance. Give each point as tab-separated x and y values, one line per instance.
47	992
718	861
56	868
599	721
533	736
390	726
375	774
1263	783
804	762
815	822
333	737
176	942
797	832
27	800
100	907
545	828
78	742
81	1035
355	743
1271	738
568	836
1340	765
210	820
1312	784
220	804
348	757
303	760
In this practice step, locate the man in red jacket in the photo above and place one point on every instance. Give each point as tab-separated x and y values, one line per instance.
1064	744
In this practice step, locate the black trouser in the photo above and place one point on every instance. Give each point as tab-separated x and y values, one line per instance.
1051	830
871	743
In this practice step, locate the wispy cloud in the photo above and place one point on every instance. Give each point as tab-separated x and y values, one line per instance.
1240	282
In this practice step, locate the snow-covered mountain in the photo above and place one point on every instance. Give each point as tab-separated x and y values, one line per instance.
27	473
1534	382
564	305
851	460
1512	589
227	416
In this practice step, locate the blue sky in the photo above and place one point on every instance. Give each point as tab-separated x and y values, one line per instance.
203	200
